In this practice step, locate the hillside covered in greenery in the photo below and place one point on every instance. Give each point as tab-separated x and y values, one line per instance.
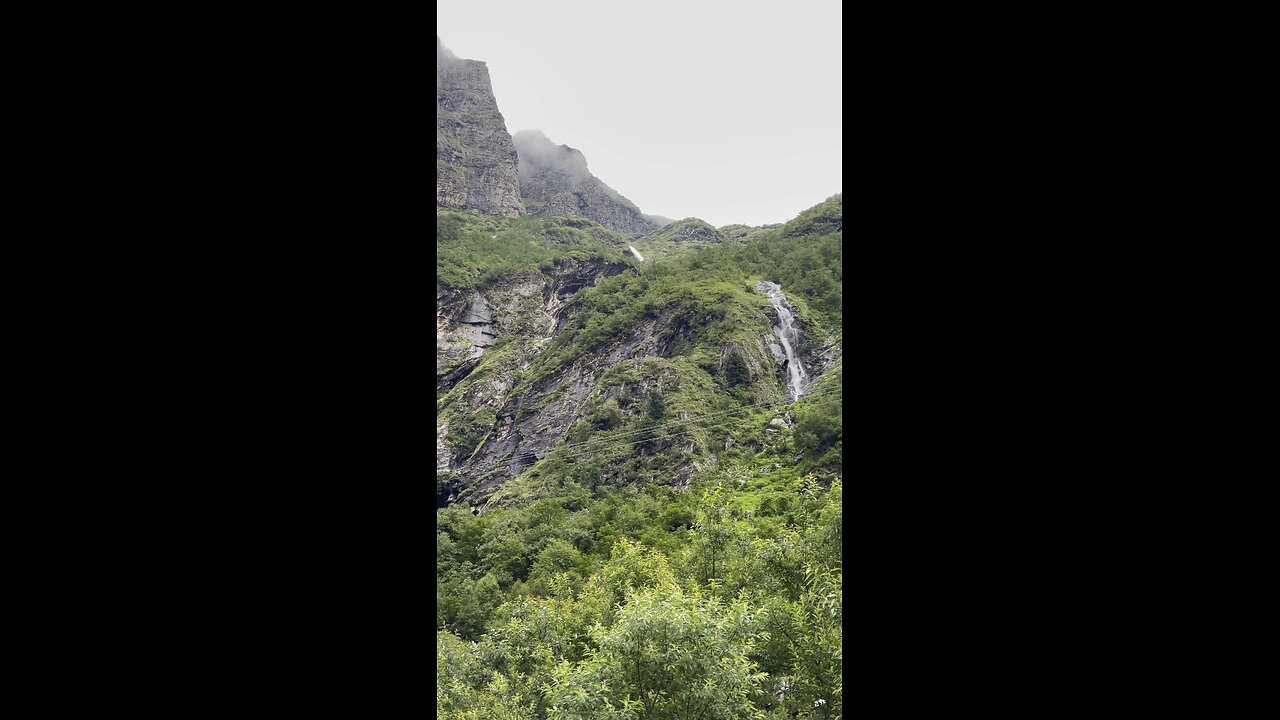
473	250
638	519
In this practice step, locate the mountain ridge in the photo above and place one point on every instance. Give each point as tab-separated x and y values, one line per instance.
555	180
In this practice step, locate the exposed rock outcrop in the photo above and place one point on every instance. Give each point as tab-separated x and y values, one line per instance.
554	180
610	386
531	305
618	376
510	416
475	158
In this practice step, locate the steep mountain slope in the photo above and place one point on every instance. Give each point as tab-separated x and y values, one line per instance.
554	180
475	159
639	463
635	508
601	348
499	280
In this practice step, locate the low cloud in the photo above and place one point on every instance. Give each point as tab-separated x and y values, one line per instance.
537	153
442	52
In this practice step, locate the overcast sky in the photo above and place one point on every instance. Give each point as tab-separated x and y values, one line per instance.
726	110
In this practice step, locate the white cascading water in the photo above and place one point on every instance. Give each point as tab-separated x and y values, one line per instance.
637	254
786	332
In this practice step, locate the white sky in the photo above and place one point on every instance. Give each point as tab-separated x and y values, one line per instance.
726	110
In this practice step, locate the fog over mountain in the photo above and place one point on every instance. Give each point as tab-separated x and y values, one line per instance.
726	111
554	180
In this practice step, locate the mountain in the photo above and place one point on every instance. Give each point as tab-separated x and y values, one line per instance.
744	233
639	450
554	180
577	342
639	470
475	159
678	236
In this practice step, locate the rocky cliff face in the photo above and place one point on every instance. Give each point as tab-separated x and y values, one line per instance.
523	312
475	158
520	306
554	180
522	427
493	424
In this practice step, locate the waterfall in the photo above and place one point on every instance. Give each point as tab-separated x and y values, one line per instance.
785	329
636	253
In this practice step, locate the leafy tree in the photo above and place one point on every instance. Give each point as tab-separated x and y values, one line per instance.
676	517
715	538
656	408
529	638
735	370
669	656
473	602
631	566
817	646
557	558
580	598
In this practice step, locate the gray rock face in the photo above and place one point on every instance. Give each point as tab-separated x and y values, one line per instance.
475	159
443	456
497	421
467	324
524	426
554	180
528	424
477	313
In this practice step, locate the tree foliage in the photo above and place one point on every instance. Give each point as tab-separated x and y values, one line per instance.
601	589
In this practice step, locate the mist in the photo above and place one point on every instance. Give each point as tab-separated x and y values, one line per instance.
539	154
726	111
443	52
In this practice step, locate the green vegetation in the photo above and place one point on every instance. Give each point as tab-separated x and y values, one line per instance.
473	250
744	233
645	603
617	577
804	256
687	235
705	299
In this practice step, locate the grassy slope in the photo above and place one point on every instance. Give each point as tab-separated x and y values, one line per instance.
473	249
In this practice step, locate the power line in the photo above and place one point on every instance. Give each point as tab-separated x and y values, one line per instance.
609	444
679	422
618	446
611	438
